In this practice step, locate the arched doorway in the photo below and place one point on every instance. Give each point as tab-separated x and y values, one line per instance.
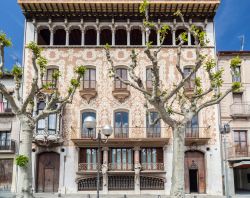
195	174
48	165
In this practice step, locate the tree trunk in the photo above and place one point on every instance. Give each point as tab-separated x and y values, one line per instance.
178	183
24	188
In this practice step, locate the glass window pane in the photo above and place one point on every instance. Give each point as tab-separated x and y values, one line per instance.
52	122
144	155
153	155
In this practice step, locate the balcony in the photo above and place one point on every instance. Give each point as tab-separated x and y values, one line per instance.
7	146
88	134
87	167
121	93
153	132
88	89
49	86
157	7
240	110
5	108
197	135
121	166
152	166
235	152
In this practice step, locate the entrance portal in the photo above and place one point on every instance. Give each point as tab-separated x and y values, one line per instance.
195	176
48	172
242	180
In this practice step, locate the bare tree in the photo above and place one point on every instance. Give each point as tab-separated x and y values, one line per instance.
175	107
23	108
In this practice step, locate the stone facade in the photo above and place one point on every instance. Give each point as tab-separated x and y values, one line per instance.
235	111
134	161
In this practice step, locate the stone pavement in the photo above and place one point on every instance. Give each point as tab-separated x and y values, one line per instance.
48	195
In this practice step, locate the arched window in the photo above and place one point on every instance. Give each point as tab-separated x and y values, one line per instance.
122	72
177	34
89	80
85	132
153	36
60	37
75	37
43	37
135	37
121	37
199	29
106	37
121	127
90	37
153	129
168	38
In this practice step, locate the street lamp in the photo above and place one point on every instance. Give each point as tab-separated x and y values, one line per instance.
107	130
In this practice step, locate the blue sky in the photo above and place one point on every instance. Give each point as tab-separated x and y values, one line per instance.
232	21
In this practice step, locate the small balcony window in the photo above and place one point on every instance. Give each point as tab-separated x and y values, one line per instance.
85	132
190	84
192	128
153	129
5	140
236	76
120	37
49	81
4	104
149	78
121	159
240	142
121	128
43	37
152	159
89	81
121	72
60	37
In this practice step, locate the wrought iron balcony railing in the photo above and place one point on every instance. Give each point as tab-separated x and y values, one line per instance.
197	132
152	166
88	134
121	132
88	167
121	166
153	132
238	152
240	110
7	145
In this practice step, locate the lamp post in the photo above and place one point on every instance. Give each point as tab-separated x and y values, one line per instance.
107	130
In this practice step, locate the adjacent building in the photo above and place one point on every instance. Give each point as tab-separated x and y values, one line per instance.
137	159
235	111
9	138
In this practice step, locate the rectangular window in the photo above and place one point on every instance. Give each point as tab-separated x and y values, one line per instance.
41	122
121	159
123	74
192	128
89	81
240	141
152	158
5	140
153	129
50	79
121	125
85	132
52	122
236	77
4	104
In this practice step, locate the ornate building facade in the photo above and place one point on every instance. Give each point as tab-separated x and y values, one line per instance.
137	159
235	111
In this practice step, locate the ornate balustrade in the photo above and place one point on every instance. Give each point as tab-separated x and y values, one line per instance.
197	135
121	166
152	166
238	152
88	167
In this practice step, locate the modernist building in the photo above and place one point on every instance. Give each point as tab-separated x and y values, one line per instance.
235	110
138	157
9	138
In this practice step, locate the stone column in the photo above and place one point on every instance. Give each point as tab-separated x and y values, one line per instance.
51	36
128	36
105	169
137	169
35	36
173	37
189	38
67	36
82	41
158	37
113	36
98	37
143	37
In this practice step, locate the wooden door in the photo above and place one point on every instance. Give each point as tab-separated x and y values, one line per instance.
6	169
48	172
194	160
